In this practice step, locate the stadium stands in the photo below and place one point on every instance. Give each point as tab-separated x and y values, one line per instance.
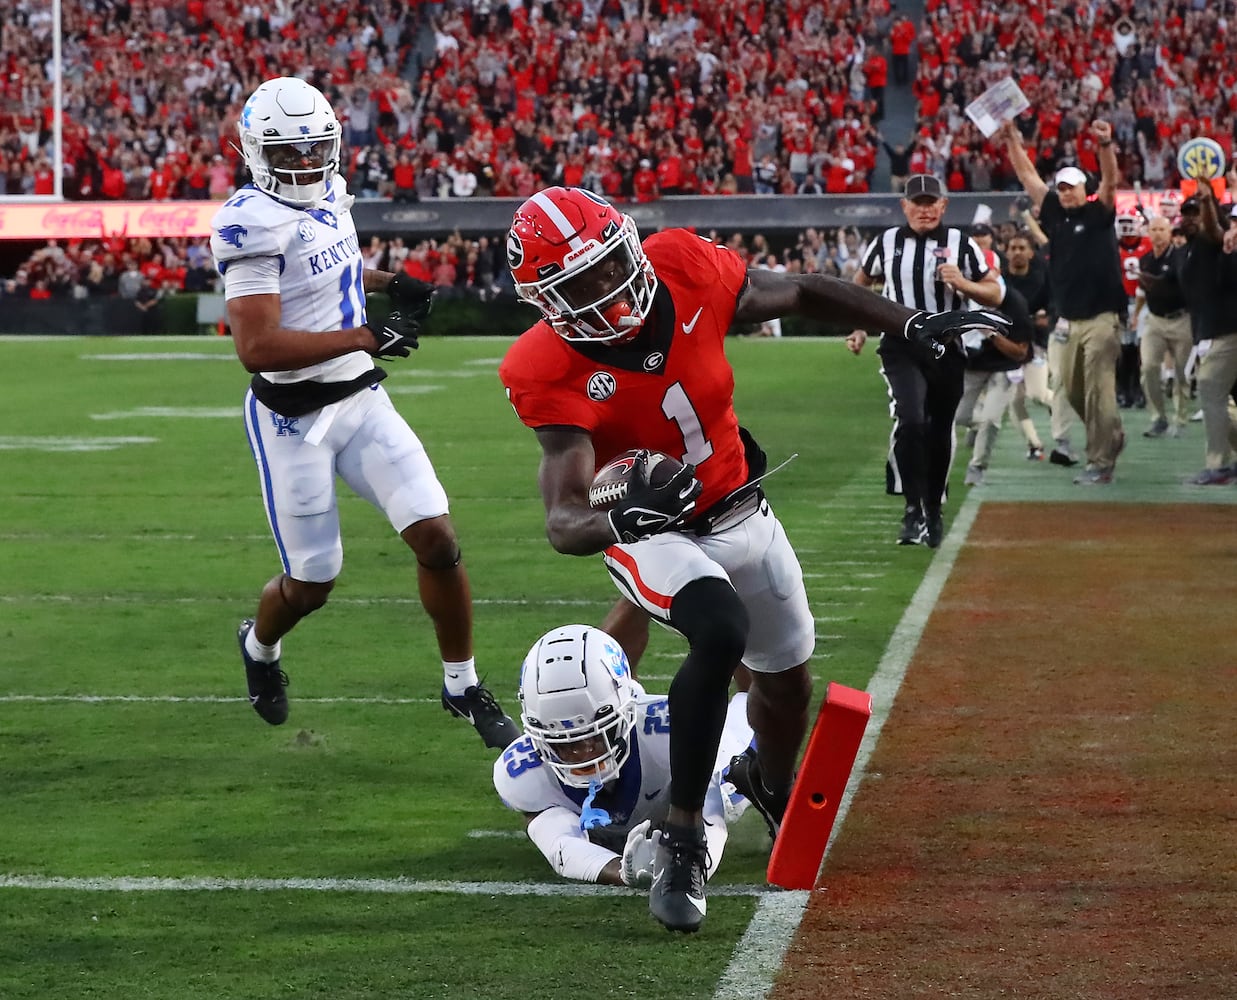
637	100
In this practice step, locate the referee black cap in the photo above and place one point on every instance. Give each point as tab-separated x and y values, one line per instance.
923	186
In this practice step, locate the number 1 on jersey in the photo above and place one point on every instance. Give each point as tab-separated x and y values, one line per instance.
352	293
677	407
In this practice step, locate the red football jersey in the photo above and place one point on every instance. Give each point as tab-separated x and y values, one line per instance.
672	391
1129	262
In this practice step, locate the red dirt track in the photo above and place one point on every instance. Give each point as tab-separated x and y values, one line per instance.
1051	810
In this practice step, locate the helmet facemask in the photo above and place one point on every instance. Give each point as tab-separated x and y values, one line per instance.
297	171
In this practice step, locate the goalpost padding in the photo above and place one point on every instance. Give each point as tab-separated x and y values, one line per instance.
814	800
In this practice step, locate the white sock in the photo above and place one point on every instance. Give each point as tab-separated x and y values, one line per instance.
257	651
457	677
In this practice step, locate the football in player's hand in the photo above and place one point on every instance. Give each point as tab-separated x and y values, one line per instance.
611	483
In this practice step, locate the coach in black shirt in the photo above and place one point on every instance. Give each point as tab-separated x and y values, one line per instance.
925	265
1208	277
1085	268
1160	308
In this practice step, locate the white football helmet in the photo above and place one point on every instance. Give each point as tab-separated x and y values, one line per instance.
290	139
578	703
579	260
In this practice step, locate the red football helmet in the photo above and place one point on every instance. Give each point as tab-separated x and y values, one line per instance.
579	260
1129	228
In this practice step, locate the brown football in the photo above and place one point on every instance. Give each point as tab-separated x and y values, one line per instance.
612	479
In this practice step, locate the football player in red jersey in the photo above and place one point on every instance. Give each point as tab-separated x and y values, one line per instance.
1132	244
630	354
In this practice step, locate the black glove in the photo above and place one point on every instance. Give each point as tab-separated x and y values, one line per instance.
411	296
650	510
934	330
396	337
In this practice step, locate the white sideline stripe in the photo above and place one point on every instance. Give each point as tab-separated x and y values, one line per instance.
399	886
760	951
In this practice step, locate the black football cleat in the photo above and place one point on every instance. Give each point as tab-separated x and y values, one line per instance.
934	529
680	869
914	527
744	774
267	682
484	714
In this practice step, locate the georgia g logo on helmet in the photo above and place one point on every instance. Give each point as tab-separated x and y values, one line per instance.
515	250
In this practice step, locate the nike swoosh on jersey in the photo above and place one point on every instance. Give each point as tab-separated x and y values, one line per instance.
689	327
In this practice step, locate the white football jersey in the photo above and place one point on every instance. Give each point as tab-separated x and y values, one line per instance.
642	789
320	280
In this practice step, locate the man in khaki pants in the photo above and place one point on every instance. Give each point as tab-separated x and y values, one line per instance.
1208	276
1160	305
1085	268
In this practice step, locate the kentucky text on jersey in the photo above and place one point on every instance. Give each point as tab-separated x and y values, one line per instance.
340	252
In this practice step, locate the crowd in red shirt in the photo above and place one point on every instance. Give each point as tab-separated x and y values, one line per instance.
1162	72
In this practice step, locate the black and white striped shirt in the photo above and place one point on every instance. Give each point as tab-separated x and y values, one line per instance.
907	263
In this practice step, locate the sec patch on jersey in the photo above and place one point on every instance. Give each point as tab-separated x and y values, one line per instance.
612	481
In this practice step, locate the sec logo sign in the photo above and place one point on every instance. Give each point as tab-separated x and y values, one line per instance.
1200	159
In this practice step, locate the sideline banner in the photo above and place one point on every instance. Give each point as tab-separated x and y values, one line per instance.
490	216
105	219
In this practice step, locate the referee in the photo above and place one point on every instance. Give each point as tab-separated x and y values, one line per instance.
925	265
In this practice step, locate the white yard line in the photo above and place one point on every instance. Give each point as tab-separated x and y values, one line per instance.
244	600
759	953
192	699
399	886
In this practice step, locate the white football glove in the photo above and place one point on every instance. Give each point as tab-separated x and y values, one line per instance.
637	867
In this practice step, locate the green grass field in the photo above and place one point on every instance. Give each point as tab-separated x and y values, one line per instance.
133	540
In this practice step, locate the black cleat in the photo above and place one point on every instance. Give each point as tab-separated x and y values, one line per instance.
914	528
680	869
1059	457
266	682
934	529
744	774
484	714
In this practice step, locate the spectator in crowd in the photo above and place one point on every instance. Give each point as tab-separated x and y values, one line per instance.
1159	308
147	302
1086	280
927	266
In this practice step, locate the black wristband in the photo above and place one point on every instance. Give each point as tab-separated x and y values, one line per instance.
1105	144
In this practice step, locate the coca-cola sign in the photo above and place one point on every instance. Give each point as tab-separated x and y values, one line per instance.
99	220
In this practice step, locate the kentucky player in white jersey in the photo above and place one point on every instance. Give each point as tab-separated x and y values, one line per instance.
592	772
295	287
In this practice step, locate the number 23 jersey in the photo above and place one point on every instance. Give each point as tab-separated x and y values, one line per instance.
641	791
670	390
